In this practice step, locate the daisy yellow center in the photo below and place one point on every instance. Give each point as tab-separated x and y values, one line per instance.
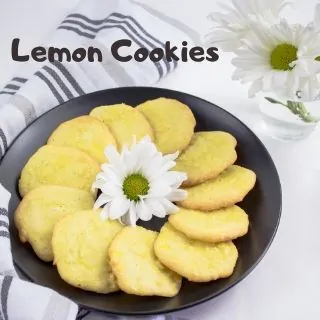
317	58
282	56
135	185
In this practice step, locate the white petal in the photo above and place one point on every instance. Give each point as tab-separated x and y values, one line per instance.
169	206
174	178
118	207
156	208
111	189
102	200
112	154
159	189
110	175
104	215
177	195
144	213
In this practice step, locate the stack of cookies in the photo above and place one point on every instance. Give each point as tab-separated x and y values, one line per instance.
56	217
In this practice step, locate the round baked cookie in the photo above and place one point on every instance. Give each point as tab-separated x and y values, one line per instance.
211	226
137	269
124	122
227	189
41	209
85	133
195	260
172	121
62	166
207	155
80	245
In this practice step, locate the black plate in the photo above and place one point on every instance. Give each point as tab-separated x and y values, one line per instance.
263	204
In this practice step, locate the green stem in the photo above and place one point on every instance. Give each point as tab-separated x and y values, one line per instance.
296	108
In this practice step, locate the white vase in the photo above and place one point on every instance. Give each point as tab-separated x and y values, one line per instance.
282	123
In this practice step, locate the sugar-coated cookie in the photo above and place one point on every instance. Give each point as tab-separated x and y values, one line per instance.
80	245
172	121
62	166
207	155
211	226
227	189
193	259
137	269
85	133
41	209
124	122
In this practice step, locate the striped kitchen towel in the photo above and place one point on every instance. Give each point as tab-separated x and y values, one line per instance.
39	87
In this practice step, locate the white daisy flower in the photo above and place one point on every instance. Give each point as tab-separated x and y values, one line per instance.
308	55
268	60
138	183
233	25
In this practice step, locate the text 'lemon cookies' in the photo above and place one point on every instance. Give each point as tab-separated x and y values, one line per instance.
62	166
80	245
137	269
85	133
211	226
124	122
195	260
207	155
172	121
41	209
227	189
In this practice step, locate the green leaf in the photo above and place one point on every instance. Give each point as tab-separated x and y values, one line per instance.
271	100
299	109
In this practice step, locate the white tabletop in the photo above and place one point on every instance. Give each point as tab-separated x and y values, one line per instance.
284	285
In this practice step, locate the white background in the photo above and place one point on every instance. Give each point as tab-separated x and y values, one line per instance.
284	286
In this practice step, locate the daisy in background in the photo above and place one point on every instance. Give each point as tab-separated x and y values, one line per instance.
138	183
233	25
269	60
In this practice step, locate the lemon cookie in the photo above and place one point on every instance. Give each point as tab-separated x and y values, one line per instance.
124	122
195	260
41	209
80	245
85	133
61	166
172	121
211	226
136	267
227	189
208	154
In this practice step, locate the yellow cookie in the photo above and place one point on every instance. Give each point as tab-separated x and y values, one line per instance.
136	267
195	260
41	209
62	166
80	245
211	226
85	133
208	154
124	122
229	188
172	121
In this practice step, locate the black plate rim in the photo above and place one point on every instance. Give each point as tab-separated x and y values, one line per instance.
209	297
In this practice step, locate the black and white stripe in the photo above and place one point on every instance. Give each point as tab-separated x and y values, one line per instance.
13	86
5	289
89	28
3	143
4	224
60	81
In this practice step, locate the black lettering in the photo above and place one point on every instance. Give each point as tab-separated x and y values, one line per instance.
184	51
15	51
141	54
117	45
79	54
156	54
195	52
39	54
212	55
52	52
91	52
170	52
